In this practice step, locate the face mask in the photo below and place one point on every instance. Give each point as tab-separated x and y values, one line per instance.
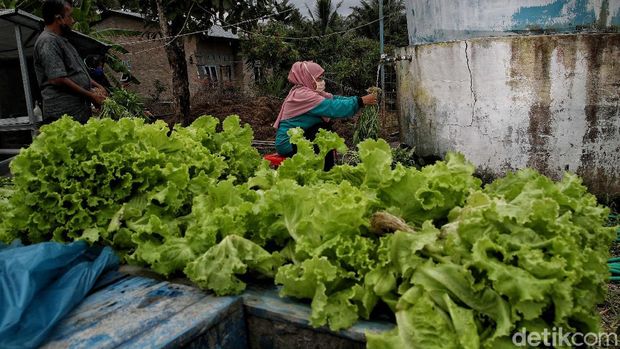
320	85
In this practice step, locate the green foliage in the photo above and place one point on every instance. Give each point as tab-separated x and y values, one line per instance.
324	16
26	5
6	191
123	175
123	104
347	59
216	268
84	15
367	126
266	47
523	253
395	21
356	66
128	99
400	155
6	182
115	111
274	85
350	59
466	267
404	156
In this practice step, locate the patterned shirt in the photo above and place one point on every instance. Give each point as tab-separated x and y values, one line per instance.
55	57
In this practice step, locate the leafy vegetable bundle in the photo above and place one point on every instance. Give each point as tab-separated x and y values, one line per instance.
458	264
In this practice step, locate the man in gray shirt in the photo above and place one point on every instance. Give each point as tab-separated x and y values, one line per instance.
63	78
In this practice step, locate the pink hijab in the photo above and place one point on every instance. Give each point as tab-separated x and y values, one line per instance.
302	97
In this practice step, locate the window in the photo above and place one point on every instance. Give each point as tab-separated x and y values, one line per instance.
226	72
213	77
209	72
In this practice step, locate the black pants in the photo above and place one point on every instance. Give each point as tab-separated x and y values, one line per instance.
310	134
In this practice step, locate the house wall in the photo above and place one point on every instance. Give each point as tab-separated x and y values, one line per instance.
149	63
147	60
221	55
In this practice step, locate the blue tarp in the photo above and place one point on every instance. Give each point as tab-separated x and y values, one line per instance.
41	283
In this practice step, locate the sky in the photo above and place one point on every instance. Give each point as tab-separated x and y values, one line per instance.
344	9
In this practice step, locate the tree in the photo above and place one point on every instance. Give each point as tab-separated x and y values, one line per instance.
325	17
26	5
177	17
286	13
395	21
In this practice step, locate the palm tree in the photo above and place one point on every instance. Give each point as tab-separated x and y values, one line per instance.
286	12
395	20
325	16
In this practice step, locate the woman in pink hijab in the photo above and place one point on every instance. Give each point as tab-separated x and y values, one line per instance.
308	106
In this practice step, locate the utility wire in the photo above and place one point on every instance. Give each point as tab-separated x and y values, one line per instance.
312	37
129	43
262	17
300	38
235	25
184	24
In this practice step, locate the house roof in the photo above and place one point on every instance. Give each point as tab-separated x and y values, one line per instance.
216	31
30	27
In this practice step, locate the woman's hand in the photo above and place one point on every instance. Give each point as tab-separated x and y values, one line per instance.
369	99
97	96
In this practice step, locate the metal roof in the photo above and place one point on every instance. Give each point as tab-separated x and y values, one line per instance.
216	31
30	26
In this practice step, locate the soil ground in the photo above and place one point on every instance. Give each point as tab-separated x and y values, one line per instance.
261	112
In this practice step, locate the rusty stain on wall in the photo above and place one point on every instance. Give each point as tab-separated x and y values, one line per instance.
540	112
530	68
601	109
595	47
547	101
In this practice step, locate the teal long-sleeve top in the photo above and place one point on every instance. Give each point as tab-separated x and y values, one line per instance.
339	107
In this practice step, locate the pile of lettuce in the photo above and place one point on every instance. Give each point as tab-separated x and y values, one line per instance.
460	265
6	191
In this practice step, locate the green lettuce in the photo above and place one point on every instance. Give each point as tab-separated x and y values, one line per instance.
465	266
217	268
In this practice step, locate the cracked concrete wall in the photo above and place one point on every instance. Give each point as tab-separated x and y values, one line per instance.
445	20
547	102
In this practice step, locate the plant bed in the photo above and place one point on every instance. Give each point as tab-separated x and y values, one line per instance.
131	311
432	244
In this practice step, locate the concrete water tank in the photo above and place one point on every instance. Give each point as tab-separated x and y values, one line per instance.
514	84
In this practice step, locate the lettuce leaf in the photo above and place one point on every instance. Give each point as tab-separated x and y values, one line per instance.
216	269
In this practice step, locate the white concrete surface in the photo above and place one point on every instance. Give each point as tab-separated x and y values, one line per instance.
548	102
